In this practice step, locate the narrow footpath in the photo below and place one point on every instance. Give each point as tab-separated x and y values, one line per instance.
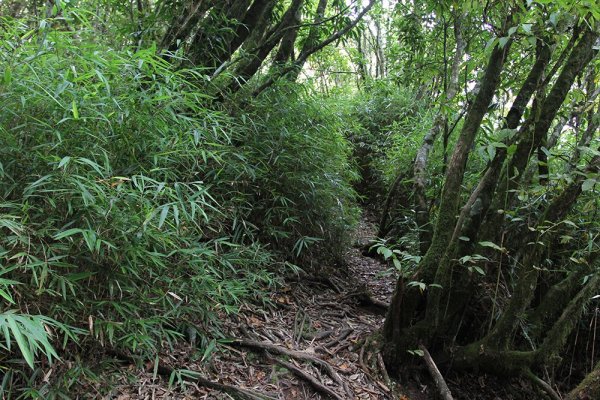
314	341
317	339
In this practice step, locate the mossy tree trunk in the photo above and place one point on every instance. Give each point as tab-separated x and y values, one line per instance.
433	317
408	301
421	160
589	388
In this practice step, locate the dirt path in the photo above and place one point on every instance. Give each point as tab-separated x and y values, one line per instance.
314	341
319	320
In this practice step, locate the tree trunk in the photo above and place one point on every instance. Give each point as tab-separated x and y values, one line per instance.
580	56
183	25
292	71
211	44
252	62
407	300
475	209
589	388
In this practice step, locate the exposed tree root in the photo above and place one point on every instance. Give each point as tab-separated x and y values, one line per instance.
300	355
361	360
318	386
384	373
440	383
365	299
318	335
343	335
589	388
542	384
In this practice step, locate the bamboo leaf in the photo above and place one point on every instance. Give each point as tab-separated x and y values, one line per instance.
20	339
163	216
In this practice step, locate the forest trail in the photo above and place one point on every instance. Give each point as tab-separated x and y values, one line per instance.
324	329
163	164
325	319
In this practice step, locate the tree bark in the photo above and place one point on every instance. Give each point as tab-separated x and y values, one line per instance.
471	217
589	388
252	62
527	275
407	300
422	157
183	25
211	44
454	175
295	67
580	56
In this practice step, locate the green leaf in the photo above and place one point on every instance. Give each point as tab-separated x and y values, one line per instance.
493	246
387	253
465	259
506	133
6	296
67	233
588	185
64	161
94	165
209	350
7	76
477	269
176	214
490	44
74	110
21	341
163	216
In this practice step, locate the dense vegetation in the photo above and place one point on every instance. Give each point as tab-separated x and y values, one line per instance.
163	163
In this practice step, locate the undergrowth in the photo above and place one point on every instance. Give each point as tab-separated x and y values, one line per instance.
134	215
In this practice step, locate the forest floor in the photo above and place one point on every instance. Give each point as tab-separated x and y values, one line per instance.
318	339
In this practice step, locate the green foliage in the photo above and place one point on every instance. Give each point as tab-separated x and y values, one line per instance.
390	123
131	213
302	197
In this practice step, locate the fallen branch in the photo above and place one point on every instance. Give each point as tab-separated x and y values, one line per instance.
318	386
440	383
318	335
299	355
